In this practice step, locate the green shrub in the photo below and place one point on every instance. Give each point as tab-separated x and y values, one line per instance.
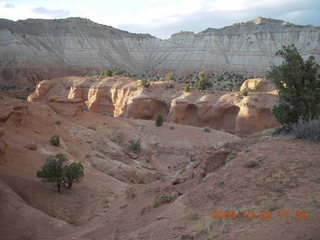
163	198
118	71
134	146
298	86
72	173
229	158
159	120
144	82
156	204
203	83
244	92
132	74
55	171
170	76
55	140
106	73
186	89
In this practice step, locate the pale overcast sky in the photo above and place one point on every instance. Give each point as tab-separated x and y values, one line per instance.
162	18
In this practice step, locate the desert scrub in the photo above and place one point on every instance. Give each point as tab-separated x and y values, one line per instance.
244	92
134	145
144	82
186	89
159	120
207	129
212	228
118	71
192	216
230	157
309	130
163	198
55	140
57	122
251	164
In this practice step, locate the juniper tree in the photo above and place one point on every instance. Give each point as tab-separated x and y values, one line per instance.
298	85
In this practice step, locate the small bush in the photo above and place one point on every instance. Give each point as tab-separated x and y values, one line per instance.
281	130
118	71
159	120
251	164
106	73
170	76
192	216
186	89
203	82
144	82
156	204
57	122
135	146
161	200
132	74
309	130
207	129
55	140
230	157
244	92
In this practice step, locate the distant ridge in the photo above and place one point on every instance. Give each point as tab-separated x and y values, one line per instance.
36	49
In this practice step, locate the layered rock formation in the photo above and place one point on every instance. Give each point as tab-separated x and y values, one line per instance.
124	97
33	50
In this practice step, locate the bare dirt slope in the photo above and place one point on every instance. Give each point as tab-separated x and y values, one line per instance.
166	192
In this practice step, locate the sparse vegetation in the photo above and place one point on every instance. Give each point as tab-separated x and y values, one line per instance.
144	82
212	228
55	171
309	130
135	145
55	140
163	198
106	73
186	89
244	92
132	74
298	84
159	120
6	88
230	157
251	164
118	71
192	216
207	129
170	76
57	122
203	83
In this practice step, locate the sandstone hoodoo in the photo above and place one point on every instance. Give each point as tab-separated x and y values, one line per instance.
125	97
33	50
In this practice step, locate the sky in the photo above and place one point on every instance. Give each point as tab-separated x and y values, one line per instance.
161	18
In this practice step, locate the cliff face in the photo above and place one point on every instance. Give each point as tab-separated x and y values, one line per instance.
124	97
33	50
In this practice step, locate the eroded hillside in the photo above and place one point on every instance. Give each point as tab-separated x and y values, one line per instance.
35	49
167	191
